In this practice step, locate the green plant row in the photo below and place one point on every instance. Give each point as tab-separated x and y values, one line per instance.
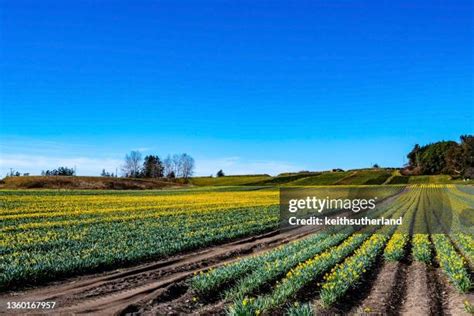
453	265
348	273
395	249
273	270
421	248
205	283
306	272
298	277
271	265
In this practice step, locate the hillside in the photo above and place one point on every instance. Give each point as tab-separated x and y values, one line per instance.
286	178
326	178
230	180
351	177
78	182
365	177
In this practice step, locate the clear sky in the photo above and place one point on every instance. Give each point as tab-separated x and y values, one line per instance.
246	86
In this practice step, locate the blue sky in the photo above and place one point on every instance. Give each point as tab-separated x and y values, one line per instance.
247	86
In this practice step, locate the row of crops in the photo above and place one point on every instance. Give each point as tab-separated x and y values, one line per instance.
49	234
45	234
331	265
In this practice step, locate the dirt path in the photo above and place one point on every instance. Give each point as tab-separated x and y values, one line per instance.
421	298
113	292
452	301
385	294
412	289
429	293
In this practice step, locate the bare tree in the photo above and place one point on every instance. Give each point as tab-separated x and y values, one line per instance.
168	166
177	168
132	166
187	165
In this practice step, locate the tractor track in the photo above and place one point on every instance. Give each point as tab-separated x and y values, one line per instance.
114	292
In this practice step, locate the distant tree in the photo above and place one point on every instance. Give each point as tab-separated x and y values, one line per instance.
454	160
132	165
13	173
61	171
220	173
413	156
376	166
167	166
152	167
186	165
64	171
176	163
433	157
467	146
447	157
177	166
106	173
469	173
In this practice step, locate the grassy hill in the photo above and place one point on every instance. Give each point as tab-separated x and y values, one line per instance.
326	178
230	180
365	177
285	178
369	176
430	179
351	177
77	182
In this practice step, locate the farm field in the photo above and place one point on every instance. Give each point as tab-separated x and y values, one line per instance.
304	178
229	180
351	177
41	229
219	251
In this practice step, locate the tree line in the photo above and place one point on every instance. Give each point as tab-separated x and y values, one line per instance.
444	157
61	171
152	166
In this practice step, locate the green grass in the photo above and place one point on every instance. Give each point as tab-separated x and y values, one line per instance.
365	177
430	179
326	178
399	180
230	180
287	178
352	177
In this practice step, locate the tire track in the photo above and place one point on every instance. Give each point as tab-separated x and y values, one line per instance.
125	290
111	293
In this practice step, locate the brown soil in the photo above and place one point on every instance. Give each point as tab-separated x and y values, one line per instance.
452	300
385	292
421	298
85	183
122	290
160	287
